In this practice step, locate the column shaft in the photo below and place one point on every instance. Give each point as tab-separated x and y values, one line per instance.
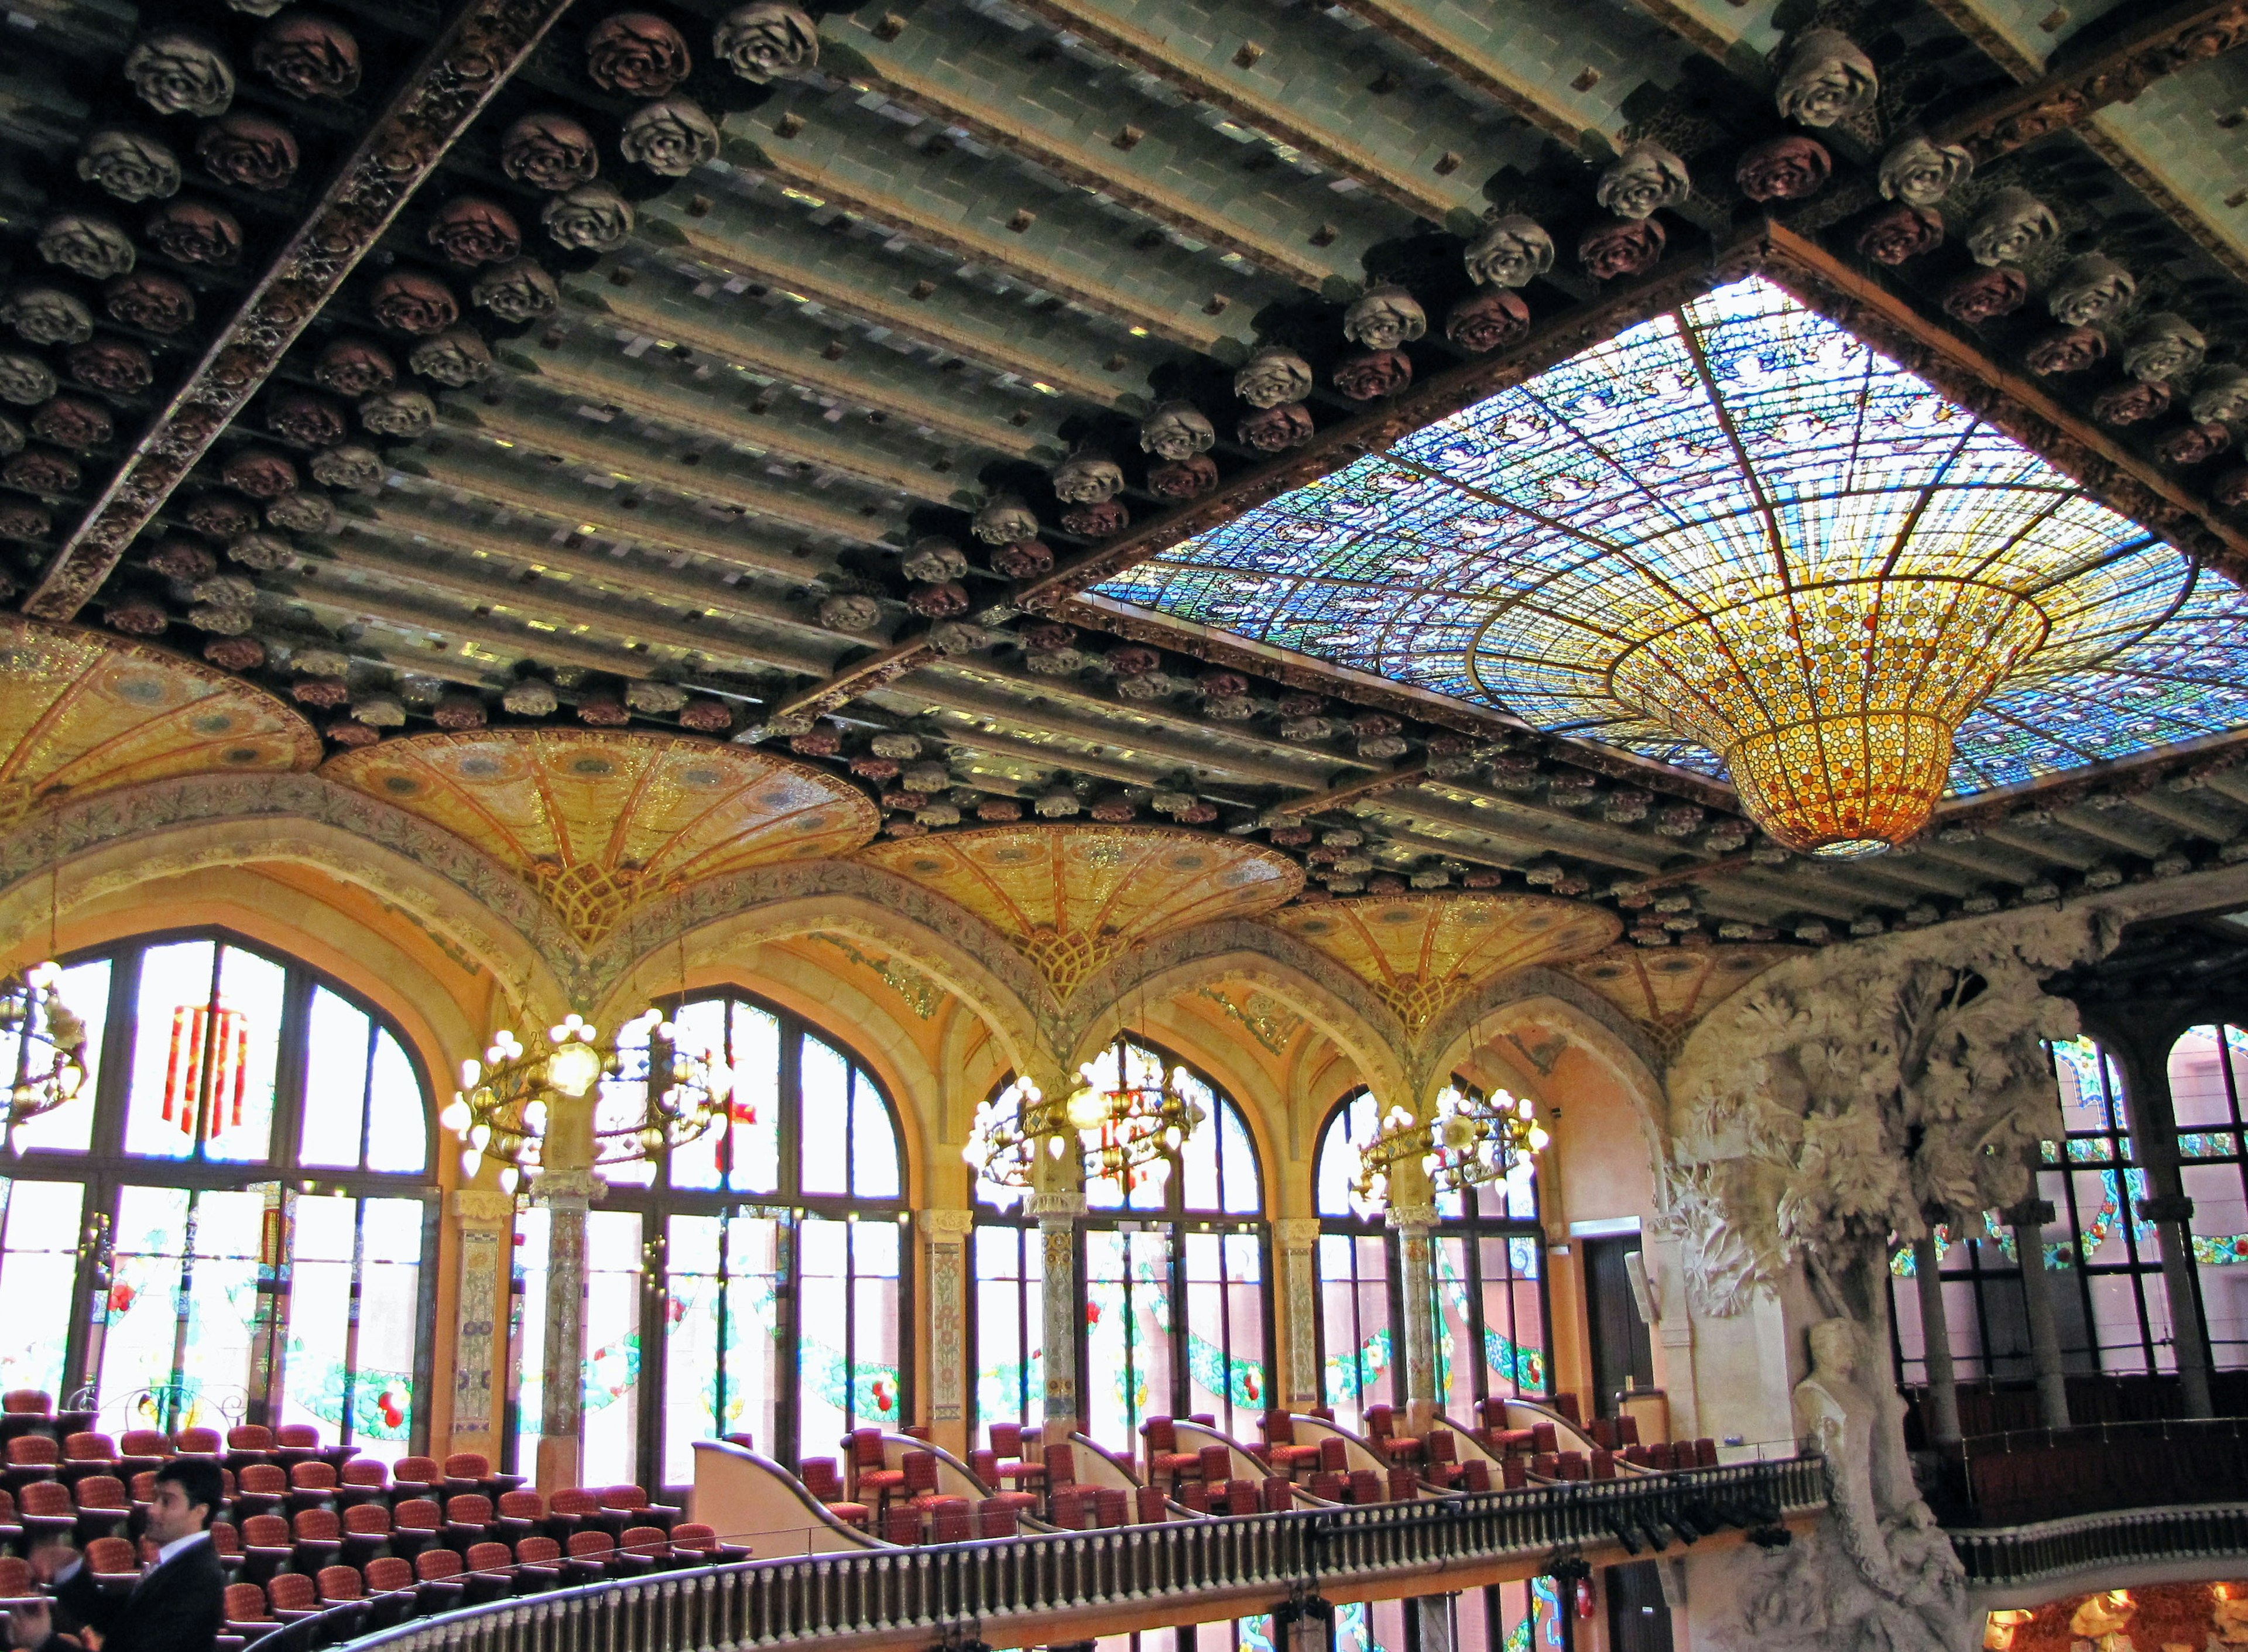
566	1195
2029	1221
1417	1279
1298	1238
1935	1343
2154	1140
1062	1303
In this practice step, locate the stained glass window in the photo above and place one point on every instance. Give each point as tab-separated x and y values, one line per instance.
2209	1088
1360	1344
1543	551
232	1290
786	1232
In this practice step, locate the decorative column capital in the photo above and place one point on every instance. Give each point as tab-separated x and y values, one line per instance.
568	1189
2030	1213
2174	1207
1297	1233
1057	1205
945	1226
1407	1217
485	1206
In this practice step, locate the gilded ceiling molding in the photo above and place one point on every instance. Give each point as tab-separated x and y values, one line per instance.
176	827
484	43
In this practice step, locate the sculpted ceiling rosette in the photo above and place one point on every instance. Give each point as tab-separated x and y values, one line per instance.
84	713
1422	953
598	822
1074	899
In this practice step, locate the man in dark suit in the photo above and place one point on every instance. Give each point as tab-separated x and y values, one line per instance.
179	1604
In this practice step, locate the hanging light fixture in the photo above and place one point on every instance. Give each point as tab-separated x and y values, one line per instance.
1473	1139
653	1092
1127	1130
48	1041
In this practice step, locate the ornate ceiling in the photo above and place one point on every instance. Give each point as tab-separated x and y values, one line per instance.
739	374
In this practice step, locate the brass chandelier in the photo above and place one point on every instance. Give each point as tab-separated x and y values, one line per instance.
1127	1130
1473	1139
49	1042
651	1091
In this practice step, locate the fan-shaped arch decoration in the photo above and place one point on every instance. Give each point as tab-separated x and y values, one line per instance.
1423	953
85	712
1074	899
1669	989
598	822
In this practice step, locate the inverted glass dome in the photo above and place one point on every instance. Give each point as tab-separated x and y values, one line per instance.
1737	539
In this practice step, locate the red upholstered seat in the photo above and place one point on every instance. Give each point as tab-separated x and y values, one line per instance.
1514	1473
539	1560
872	1480
340	1583
28	1402
196	1443
642	1547
1065	1508
291	1595
1365	1486
1334	1456
1214	1465
415	1475
1404	1485
113	1560
920	1470
245	1610
901	1525
1474	1476
17	1583
1148	1507
388	1575
950	1520
1328	1487
1279	1494
1280	1448
996	1519
1167	1464
1382	1435
496	1558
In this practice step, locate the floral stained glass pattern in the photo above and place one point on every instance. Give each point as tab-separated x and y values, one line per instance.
1578	548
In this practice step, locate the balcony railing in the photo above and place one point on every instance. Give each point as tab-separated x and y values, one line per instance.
2043	1474
1072	1586
2210	1533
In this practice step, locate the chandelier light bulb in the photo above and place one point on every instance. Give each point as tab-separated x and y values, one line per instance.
455	1117
471	1071
1087	1108
509	1178
472	1161
1056	1147
574	1068
1538	1140
480	1137
718	1123
534	1116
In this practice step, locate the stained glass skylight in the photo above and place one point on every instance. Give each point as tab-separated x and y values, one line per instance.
1738	531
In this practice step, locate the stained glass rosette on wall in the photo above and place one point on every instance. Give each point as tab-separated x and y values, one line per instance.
1737	539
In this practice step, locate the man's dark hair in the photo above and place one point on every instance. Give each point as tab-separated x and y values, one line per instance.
199	1481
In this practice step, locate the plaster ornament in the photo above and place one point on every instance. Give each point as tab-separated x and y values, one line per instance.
177	72
937	814
1510	251
670	138
260	472
592	217
1188	479
1611	251
408	301
516	292
2090	289
2222	396
378	711
195	232
398	412
47	315
1114	810
1272	375
459	712
2013	226
307	57
352	736
2162	347
2231	487
12	436
1921	172
1788	168
1099	520
1054	662
1025	560
549	152
72	422
264	551
934	560
235	653
1275	429
532	697
1060	804
1133	660
1177	430
1155	685
25	380
150	300
222	620
1643	179
707	717
136	617
85	244
457	358
129	166
1377	372
958	636
602	711
249	150
225	590
1827	79
636	54
114	365
1005	520
902	747
354	367
1086	478
1384	319
301	416
763	41
320	662
2070	350
470	230
1984	295
926	777
2196	444
306	512
656	699
943	601
1307	728
1901	232
222	515
851	613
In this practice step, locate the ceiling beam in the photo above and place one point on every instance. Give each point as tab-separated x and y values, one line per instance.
1350	791
478	49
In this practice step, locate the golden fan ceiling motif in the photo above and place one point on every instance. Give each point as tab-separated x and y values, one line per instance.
84	712
1073	899
598	822
1673	987
1423	953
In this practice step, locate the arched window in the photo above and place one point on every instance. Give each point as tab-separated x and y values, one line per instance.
229	1220
2209	1074
708	1264
1173	1273
1490	1312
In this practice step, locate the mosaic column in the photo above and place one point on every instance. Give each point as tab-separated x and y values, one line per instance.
1062	1305
1298	1238
2028	1220
1416	1268
1935	1344
484	1220
567	1194
946	1233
